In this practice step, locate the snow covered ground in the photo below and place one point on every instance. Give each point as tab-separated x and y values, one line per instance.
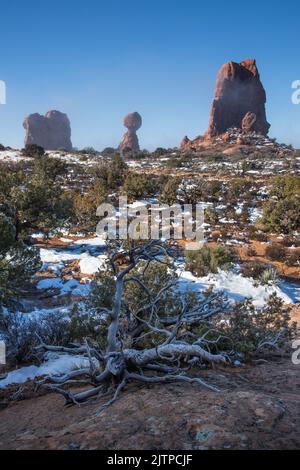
54	365
11	156
236	287
86	252
72	286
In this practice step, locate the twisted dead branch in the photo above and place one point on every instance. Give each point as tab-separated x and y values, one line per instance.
169	360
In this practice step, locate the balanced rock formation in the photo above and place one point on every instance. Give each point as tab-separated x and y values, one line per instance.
133	122
239	100
52	131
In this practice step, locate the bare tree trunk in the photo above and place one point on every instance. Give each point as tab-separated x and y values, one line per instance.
140	358
114	326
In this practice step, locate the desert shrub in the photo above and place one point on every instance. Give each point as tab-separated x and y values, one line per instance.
285	187
225	232
261	272
214	157
253	269
209	260
138	186
269	276
169	192
251	251
36	193
281	213
276	252
211	216
200	189
255	234
38	206
290	241
159	152
254	332
243	217
22	334
33	151
213	190
85	206
282	216
155	327
293	259
49	169
237	189
111	174
18	262
174	162
11	176
241	330
140	155
108	151
90	151
86	322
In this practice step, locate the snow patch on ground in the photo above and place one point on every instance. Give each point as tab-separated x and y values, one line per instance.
91	264
51	255
55	364
235	286
12	155
71	286
96	241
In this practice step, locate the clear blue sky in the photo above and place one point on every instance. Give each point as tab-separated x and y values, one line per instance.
97	60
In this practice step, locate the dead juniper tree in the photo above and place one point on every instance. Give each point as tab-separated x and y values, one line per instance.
149	337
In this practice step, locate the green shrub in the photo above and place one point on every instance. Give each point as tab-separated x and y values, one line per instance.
139	186
111	174
253	269
269	276
254	332
281	213
282	216
255	234
170	191
276	252
251	251
33	151
209	260
294	259
18	262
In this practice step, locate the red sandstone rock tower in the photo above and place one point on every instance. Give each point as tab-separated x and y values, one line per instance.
52	131
239	100
133	122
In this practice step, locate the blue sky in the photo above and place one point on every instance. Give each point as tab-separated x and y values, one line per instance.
98	60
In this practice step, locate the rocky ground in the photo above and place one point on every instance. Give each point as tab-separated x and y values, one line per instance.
257	408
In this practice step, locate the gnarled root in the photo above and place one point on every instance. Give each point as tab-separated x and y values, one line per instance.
134	365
